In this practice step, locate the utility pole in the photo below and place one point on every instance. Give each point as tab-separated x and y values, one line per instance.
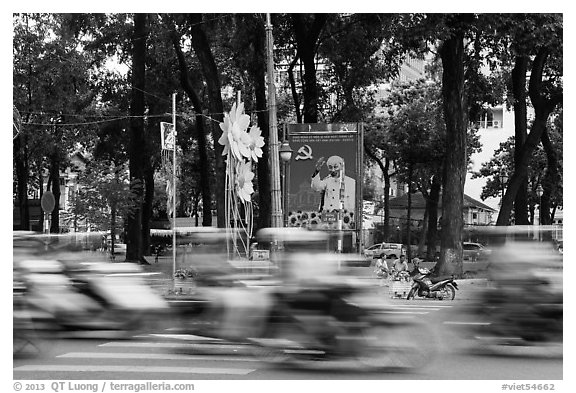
174	186
277	220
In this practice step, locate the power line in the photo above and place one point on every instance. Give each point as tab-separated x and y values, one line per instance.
112	119
90	122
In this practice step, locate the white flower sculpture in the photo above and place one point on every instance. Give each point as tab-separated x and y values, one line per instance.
241	147
256	142
244	176
234	137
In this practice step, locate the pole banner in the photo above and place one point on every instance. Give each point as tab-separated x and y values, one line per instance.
167	135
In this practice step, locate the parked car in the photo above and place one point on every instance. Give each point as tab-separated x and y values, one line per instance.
385	250
475	251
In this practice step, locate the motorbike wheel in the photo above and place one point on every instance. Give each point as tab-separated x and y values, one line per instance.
448	292
412	293
399	347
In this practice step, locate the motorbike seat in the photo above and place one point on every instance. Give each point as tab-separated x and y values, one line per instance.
438	279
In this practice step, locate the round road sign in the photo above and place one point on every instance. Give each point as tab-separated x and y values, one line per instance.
47	202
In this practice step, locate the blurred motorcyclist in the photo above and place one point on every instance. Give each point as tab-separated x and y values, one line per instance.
526	296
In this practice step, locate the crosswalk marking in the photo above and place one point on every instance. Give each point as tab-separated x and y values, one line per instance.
466	323
234	357
133	369
184	337
404	312
153	344
153	356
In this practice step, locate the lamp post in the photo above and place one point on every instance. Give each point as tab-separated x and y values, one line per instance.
274	164
503	180
539	192
285	153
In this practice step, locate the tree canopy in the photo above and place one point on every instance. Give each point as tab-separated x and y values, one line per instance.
102	83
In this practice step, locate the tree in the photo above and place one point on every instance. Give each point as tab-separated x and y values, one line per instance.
136	147
307	29
104	196
418	135
539	37
248	41
541	171
201	46
355	62
190	86
52	88
453	56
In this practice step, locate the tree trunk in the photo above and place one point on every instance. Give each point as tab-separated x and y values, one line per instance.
409	214
55	181
551	179
543	107
432	208
21	168
424	232
212	78
187	85
307	28
137	142
386	171
385	168
147	206
293	89
452	55
520	134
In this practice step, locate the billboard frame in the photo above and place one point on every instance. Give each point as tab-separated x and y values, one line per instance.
291	130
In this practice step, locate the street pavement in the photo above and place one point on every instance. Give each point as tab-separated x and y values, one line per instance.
162	276
166	352
169	354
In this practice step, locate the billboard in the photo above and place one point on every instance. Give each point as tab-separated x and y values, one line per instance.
324	176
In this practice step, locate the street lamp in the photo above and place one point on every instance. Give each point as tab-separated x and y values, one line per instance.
539	192
503	180
285	153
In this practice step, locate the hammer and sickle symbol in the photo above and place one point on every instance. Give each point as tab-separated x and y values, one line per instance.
304	153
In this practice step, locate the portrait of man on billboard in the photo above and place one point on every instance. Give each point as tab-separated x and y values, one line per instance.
323	177
336	187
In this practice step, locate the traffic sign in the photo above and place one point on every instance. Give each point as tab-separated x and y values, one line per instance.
47	202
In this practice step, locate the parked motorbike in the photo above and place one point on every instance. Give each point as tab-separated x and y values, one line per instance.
427	286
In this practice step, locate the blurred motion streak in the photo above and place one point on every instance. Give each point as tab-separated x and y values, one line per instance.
520	311
58	289
310	313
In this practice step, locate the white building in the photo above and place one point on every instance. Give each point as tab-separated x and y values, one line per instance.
496	127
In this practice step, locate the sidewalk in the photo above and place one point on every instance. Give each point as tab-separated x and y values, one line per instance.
163	281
